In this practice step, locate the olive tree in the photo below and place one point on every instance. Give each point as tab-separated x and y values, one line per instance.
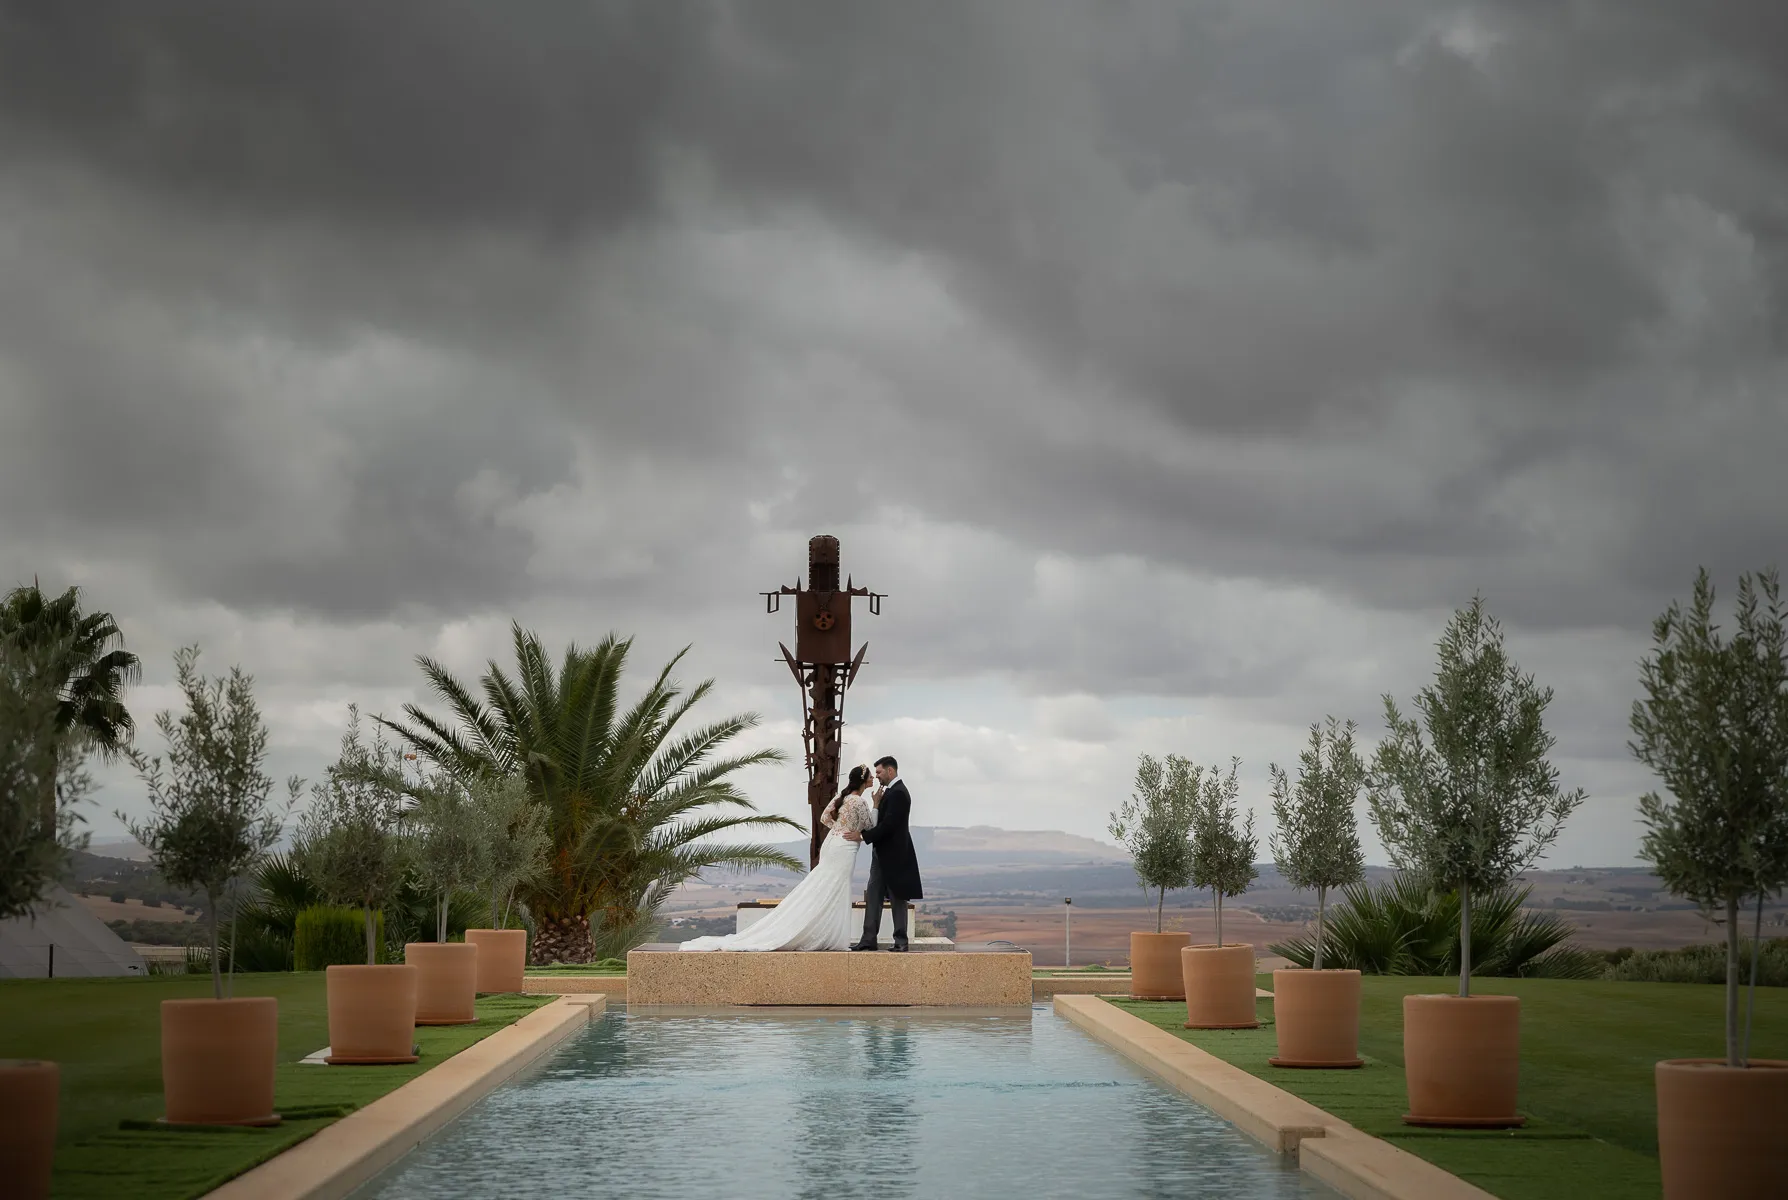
1316	844
352	841
1714	727
211	820
514	844
1475	803
446	837
1222	854
1155	826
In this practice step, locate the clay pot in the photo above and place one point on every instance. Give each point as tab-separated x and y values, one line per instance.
1219	983
29	1091
1721	1129
372	1013
502	953
1155	972
217	1060
446	981
1461	1060
1317	1017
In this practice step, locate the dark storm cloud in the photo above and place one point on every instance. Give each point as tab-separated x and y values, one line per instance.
1387	297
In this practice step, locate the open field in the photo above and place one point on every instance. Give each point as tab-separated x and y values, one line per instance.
132	910
1102	935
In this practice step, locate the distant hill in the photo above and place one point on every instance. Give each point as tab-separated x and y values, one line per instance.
118	847
949	848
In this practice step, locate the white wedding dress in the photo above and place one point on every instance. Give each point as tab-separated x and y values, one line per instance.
816	915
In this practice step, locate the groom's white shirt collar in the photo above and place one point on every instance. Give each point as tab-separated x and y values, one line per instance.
891	783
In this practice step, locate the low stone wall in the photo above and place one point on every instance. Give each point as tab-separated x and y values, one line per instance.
669	976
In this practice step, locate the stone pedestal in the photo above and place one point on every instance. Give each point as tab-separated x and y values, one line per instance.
662	974
750	912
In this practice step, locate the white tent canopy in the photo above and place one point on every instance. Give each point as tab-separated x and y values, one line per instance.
66	937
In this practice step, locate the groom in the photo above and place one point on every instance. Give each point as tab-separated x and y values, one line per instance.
894	870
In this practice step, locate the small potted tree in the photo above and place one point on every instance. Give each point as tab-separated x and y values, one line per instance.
210	823
1316	846
1714	727
1155	826
1467	810
446	840
33	858
513	850
1219	979
352	843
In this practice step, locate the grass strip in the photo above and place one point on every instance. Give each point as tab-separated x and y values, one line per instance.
1550	1158
146	1161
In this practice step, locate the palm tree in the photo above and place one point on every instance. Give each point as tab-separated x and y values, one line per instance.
625	793
90	668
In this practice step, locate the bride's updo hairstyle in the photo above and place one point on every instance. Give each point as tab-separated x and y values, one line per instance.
859	778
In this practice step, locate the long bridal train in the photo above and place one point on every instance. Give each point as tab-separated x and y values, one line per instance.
816	915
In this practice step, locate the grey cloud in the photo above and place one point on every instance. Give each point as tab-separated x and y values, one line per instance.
447	313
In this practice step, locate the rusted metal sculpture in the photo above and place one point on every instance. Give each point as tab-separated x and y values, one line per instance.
824	667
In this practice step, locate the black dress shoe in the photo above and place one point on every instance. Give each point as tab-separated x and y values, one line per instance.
860	946
899	947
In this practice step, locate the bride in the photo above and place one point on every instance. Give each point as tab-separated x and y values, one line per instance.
817	914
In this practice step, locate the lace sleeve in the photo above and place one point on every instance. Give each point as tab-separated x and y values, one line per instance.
855	817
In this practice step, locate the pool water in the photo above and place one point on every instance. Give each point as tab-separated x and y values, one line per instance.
836	1104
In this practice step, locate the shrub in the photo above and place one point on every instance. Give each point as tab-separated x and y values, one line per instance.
328	936
118	897
1701	964
1402	928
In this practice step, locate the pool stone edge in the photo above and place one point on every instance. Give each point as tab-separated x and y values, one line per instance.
1354	1163
350	1152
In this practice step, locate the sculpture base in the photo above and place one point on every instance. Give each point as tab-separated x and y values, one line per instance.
663	974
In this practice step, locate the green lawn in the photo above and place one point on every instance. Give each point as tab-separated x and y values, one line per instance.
106	1035
1587	1054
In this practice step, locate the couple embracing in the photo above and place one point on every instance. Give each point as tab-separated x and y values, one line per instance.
816	915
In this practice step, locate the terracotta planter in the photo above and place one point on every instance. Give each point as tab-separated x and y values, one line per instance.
1317	1017
29	1092
502	953
217	1060
446	981
1721	1129
372	1014
1155	972
1219	984
1461	1060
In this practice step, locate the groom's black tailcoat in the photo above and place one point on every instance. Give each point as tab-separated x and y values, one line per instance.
892	841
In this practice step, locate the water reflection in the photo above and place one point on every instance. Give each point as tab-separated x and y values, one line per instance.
889	1104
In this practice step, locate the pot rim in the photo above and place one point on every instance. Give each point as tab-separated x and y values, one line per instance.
1496	997
1161	934
368	967
1317	970
1719	1064
1222	946
198	1001
16	1063
437	946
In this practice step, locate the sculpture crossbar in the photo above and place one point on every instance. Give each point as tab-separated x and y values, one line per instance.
824	667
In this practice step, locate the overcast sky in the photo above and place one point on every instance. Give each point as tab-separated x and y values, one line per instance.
1176	368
